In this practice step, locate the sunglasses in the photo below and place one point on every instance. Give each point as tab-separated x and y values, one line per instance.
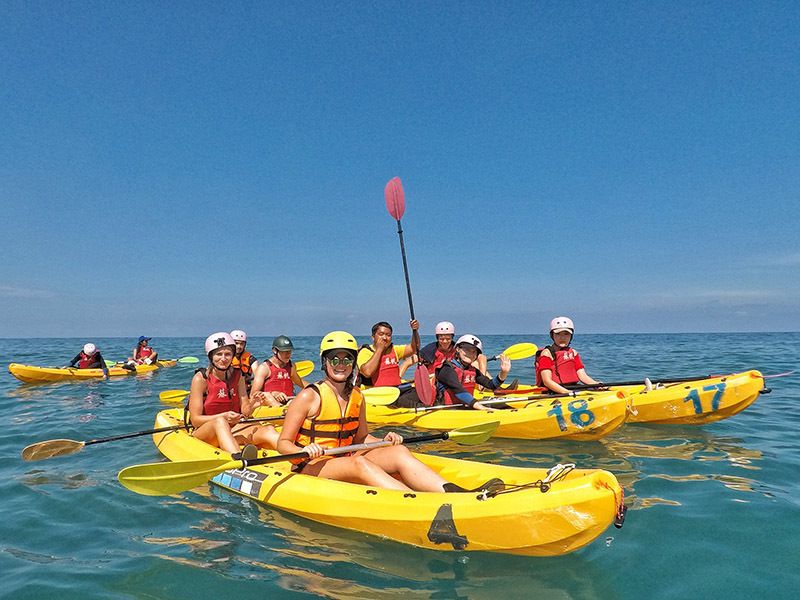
336	361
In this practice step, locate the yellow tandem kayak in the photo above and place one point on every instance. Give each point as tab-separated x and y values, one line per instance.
692	402
31	374
570	511
587	417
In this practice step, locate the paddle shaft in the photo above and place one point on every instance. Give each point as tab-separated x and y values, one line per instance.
170	428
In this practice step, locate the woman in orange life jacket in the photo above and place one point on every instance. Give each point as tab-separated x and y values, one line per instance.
558	365
331	414
90	358
242	359
277	374
218	401
456	379
379	365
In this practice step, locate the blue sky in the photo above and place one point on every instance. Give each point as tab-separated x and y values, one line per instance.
180	168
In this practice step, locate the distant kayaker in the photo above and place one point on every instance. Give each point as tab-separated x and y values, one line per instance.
143	354
90	358
277	374
331	414
558	364
218	401
456	379
379	363
243	360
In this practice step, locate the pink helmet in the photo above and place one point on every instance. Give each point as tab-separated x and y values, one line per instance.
473	340
218	340
239	335
444	328
561	324
90	349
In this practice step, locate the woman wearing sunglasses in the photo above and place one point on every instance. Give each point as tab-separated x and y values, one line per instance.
331	414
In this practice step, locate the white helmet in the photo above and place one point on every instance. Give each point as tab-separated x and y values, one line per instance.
445	328
561	324
90	349
239	335
473	340
218	340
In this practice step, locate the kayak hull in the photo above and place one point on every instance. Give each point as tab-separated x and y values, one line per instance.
522	520
589	417
32	374
687	403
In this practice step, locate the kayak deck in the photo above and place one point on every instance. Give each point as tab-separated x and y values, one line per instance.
33	374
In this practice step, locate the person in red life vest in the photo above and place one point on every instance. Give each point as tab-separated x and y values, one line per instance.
218	402
331	414
90	358
379	364
143	354
558	364
456	379
277	374
243	360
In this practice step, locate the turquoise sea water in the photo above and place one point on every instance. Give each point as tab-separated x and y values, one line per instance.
714	510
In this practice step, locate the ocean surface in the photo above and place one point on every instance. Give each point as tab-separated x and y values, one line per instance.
714	510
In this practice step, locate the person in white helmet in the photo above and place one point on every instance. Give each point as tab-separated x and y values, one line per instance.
244	360
559	365
456	379
90	358
218	401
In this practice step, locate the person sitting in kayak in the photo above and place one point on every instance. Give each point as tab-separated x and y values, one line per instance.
378	364
243	360
143	354
558	364
456	379
218	401
90	358
277	374
331	414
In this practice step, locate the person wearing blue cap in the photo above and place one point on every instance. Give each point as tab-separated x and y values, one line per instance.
143	354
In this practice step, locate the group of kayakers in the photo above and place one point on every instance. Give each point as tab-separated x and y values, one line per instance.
331	413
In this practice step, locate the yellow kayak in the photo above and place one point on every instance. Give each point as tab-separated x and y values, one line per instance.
588	417
686	402
576	507
31	374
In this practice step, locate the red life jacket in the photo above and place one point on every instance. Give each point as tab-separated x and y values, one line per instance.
144	352
441	357
388	371
222	396
86	360
280	379
467	379
565	368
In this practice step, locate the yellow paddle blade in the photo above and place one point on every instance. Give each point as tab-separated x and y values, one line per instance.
51	448
173	396
381	396
304	367
518	351
159	479
473	435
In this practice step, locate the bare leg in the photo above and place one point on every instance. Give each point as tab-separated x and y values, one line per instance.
217	432
415	474
260	435
354	469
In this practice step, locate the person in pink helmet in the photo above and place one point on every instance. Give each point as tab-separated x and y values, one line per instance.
90	358
559	365
244	360
456	379
218	401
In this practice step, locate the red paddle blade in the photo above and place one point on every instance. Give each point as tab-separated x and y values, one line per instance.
395	198
422	381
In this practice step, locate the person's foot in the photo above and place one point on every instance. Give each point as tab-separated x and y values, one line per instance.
249	452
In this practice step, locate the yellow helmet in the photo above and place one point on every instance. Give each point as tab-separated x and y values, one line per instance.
338	340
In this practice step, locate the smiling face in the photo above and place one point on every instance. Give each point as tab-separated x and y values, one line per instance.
445	340
467	353
340	366
221	358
